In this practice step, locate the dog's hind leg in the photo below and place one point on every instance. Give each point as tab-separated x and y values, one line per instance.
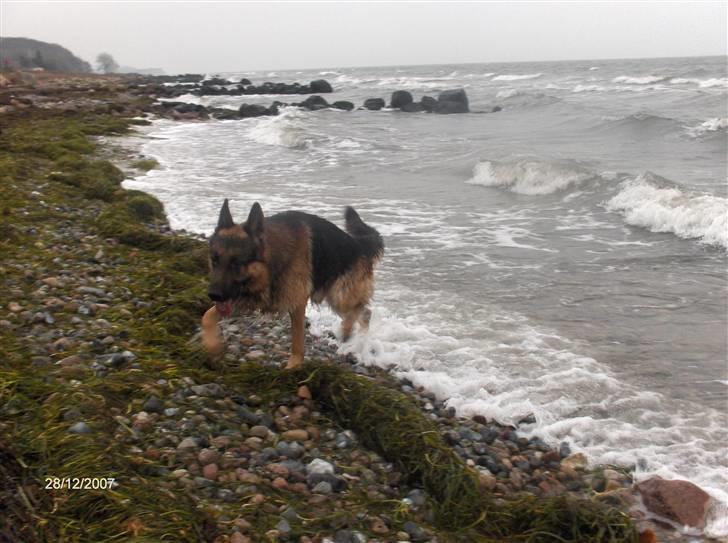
364	317
298	331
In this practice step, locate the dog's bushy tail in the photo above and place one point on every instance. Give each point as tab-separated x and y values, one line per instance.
369	239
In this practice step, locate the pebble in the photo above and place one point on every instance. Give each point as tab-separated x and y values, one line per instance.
295	435
210	471
319	466
80	428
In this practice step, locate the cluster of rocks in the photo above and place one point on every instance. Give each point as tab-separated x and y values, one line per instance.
224	87
454	101
449	101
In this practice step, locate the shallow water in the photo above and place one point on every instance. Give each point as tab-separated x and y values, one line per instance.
564	257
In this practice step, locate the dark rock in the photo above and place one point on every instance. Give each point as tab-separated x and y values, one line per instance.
153	405
374	104
496	109
320	85
414	531
314	103
488	435
252	110
224	114
564	449
452	101
428	104
248	417
343	104
400	98
337	483
680	501
181	108
245	81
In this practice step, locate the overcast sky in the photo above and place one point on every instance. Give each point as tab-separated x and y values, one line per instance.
239	36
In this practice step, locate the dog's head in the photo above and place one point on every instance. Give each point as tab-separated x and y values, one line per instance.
237	259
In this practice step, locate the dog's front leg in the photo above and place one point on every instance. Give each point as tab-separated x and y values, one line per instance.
298	324
211	337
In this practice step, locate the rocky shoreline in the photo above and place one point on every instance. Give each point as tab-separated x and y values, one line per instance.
103	377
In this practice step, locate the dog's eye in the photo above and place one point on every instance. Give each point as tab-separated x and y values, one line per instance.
234	263
215	259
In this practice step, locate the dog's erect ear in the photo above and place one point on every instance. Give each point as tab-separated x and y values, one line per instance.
254	224
226	219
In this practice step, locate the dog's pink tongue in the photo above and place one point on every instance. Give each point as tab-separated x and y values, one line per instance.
224	308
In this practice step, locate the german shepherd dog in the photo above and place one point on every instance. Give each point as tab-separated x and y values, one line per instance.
276	264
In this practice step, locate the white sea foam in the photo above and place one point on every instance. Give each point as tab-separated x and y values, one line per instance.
702	83
507	369
643	80
286	129
649	202
715	124
530	176
588	88
515	77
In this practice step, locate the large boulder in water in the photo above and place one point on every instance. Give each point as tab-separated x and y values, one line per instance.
679	501
320	85
314	103
452	101
374	104
252	110
428	103
400	98
343	104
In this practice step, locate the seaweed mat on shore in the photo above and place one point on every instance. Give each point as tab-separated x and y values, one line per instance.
390	423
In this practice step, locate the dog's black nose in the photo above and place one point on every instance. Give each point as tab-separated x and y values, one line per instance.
215	296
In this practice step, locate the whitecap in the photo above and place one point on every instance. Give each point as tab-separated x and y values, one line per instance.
516	77
643	80
530	176
650	202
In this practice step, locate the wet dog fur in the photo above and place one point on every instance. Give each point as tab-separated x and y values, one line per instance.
276	264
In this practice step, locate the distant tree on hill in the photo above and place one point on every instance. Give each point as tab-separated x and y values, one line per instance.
106	63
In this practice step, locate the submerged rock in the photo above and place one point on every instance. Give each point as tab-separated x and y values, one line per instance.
374	104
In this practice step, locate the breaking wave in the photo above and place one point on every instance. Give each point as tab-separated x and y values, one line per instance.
643	80
702	83
652	202
285	130
530	177
515	77
716	124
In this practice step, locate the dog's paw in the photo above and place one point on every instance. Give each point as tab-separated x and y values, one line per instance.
294	362
213	344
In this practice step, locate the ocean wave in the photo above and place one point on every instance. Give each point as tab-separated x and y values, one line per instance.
285	130
643	80
716	124
515	97
515	77
641	122
652	202
530	177
588	88
702	83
